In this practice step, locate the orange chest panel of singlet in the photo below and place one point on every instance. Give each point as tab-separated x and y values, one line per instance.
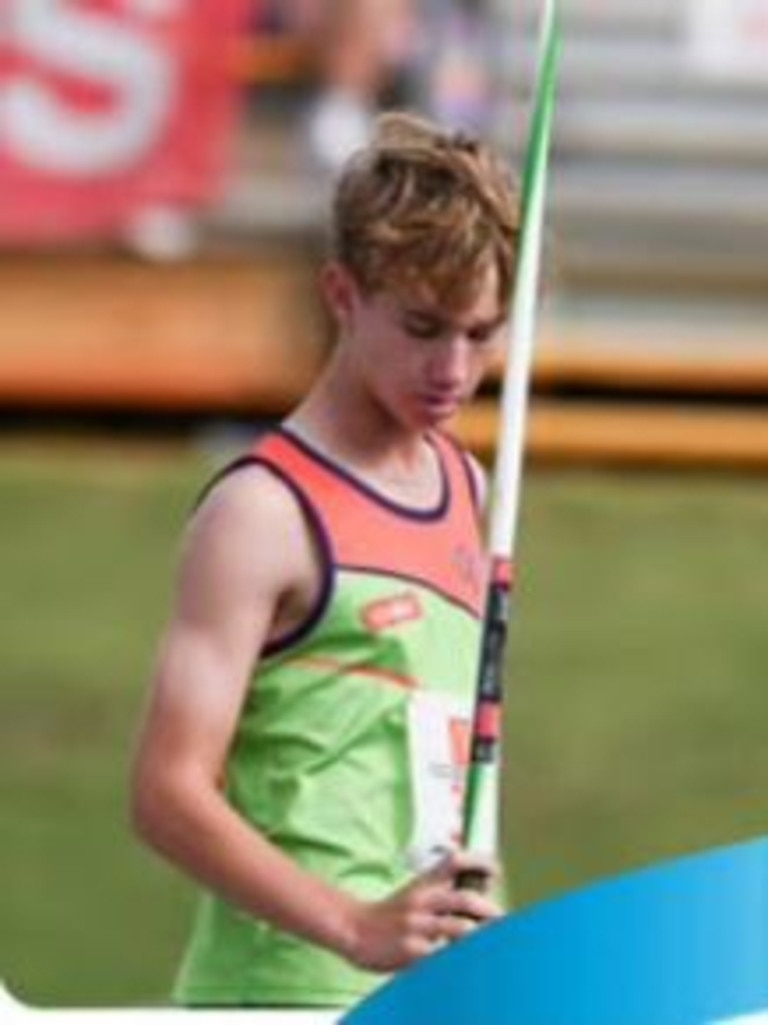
440	547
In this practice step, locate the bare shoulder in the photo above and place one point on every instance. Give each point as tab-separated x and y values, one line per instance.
251	496
249	528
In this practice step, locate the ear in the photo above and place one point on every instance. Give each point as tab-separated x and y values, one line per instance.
340	290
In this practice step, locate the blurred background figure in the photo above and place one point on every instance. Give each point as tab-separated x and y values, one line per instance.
366	55
431	55
460	63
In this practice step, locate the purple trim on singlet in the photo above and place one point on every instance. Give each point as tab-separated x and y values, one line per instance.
300	632
468	471
322	536
237	464
425	515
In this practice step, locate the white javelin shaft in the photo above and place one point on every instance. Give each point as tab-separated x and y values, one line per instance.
480	825
514	405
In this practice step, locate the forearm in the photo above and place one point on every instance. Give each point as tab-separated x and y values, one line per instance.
192	825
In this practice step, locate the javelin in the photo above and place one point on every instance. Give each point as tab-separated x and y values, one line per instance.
481	802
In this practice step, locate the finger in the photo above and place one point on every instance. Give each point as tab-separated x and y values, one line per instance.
469	904
426	935
456	928
458	863
427	892
444	898
417	947
426	926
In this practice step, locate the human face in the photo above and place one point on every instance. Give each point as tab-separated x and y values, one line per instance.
415	359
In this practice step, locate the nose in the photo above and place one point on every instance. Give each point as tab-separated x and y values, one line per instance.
450	364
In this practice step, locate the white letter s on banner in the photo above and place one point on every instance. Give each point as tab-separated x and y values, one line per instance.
48	134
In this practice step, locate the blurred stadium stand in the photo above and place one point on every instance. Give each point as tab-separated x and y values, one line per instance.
655	341
654	331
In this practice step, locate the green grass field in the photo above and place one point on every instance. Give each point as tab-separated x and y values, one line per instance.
637	712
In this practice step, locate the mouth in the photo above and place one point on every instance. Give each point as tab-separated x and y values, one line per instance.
440	404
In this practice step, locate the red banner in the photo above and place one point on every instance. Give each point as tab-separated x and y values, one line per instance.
110	107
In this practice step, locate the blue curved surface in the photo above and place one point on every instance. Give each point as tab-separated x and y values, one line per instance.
681	943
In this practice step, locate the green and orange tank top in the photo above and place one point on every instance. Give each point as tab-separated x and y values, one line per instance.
352	744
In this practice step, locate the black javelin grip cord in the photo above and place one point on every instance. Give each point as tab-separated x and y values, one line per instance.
486	730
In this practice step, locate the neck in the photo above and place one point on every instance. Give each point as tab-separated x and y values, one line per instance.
343	418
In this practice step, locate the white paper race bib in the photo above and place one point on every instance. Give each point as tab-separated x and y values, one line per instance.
438	732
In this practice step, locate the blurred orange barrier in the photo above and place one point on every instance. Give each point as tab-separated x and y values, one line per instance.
621	434
625	371
240	335
247	336
719	366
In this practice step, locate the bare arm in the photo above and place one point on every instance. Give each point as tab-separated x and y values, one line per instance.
248	554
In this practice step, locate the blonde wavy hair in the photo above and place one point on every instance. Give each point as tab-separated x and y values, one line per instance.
421	209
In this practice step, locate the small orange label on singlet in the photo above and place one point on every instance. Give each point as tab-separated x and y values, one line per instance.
461	741
390	612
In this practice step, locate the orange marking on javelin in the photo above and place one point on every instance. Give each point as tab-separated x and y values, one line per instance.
345	669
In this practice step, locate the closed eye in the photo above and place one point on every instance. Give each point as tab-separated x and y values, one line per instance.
480	336
483	334
426	327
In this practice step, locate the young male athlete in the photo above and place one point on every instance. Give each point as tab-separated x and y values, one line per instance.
304	741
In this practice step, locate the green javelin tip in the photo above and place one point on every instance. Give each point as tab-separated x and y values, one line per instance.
508	470
544	105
